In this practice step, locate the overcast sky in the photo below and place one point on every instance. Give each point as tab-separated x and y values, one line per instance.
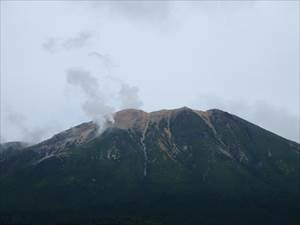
60	59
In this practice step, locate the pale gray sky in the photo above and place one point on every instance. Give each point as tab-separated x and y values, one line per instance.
242	57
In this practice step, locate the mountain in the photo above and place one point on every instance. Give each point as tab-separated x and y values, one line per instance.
178	166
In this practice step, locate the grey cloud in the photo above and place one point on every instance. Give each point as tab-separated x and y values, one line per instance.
137	11
277	120
28	133
36	135
105	58
80	40
52	45
83	79
142	9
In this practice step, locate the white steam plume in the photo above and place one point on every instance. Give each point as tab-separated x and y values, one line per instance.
97	105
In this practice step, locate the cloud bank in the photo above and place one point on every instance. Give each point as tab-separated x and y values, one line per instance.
29	133
136	11
55	45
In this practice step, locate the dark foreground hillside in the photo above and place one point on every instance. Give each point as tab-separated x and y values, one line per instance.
168	167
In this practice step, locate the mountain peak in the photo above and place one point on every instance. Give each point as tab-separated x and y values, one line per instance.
130	118
137	119
186	158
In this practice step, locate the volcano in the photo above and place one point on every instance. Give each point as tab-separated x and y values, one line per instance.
180	166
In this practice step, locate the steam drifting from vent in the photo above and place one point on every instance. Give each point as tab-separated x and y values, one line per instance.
97	105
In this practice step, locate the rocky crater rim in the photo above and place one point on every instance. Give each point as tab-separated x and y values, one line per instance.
137	119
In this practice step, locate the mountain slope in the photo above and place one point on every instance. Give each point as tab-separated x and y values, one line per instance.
168	167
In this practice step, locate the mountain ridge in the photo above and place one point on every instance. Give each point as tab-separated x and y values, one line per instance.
120	122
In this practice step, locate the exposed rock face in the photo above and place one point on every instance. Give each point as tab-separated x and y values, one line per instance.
137	119
131	119
65	140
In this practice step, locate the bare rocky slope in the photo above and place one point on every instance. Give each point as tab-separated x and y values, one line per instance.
179	166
